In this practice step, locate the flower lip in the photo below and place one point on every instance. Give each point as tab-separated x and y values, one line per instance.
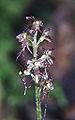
21	37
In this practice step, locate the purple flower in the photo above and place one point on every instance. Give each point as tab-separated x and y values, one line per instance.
36	25
23	39
47	34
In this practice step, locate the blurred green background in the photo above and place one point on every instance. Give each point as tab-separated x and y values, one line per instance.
12	18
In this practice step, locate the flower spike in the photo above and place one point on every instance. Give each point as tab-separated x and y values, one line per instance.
36	68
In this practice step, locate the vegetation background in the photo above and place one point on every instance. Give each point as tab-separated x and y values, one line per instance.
13	104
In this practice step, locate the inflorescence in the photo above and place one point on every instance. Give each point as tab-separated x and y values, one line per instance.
30	40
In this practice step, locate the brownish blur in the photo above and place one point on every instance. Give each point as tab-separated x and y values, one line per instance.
64	20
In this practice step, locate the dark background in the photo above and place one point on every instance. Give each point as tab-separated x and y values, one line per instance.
60	15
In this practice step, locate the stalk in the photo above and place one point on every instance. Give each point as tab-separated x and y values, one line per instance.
38	103
37	88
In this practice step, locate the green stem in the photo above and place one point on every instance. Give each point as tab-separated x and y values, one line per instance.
38	103
37	89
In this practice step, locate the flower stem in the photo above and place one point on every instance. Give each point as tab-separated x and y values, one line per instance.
38	103
37	88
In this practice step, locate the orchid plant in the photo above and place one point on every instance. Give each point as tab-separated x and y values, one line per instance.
36	67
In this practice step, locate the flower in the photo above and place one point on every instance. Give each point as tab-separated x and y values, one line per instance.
46	57
35	24
23	39
45	36
46	87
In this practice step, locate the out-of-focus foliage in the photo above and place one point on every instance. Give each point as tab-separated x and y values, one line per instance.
13	8
10	83
58	94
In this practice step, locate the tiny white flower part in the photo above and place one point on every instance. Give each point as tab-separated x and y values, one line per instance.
37	64
49	52
27	17
26	72
51	86
37	80
25	89
30	67
48	85
32	75
20	73
50	61
29	61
